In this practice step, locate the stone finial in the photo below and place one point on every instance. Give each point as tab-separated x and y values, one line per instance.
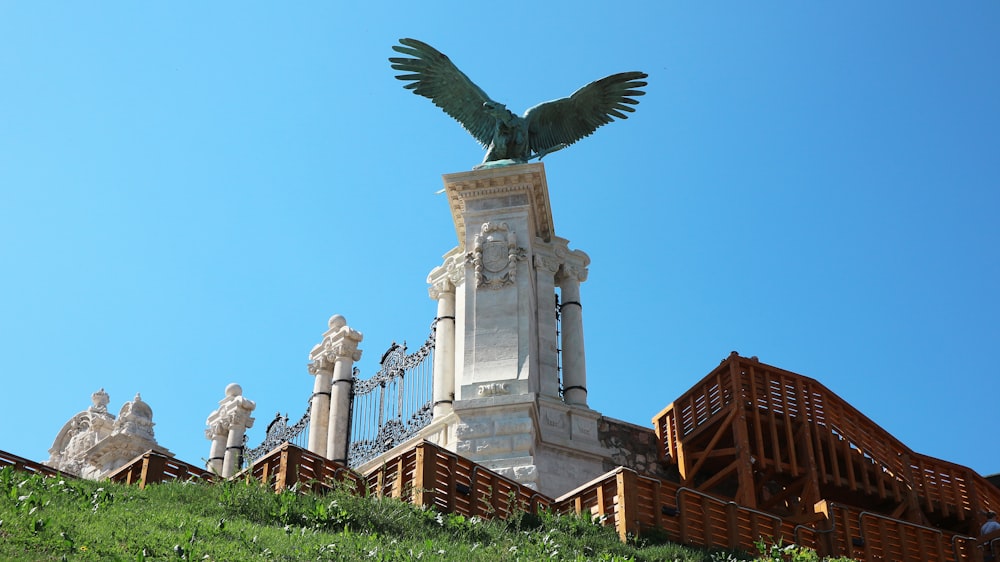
234	409
337	322
338	341
100	400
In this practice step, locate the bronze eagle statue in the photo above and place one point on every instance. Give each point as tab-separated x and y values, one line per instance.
510	138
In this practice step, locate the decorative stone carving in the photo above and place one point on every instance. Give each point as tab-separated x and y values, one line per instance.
339	341
495	255
93	443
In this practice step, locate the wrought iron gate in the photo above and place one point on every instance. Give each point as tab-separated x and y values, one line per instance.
394	404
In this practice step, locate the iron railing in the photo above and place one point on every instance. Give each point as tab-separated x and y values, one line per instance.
394	404
278	432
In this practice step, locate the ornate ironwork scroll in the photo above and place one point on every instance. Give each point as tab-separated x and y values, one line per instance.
394	404
278	432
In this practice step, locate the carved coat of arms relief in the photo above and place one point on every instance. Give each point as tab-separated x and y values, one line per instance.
494	256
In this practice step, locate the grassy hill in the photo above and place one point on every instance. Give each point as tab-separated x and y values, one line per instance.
68	519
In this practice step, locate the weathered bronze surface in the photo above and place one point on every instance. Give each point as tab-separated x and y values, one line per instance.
509	138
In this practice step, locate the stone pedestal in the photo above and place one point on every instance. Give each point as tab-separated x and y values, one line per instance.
509	411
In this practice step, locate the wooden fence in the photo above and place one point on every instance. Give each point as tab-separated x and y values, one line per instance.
429	475
634	504
288	465
631	503
25	465
152	468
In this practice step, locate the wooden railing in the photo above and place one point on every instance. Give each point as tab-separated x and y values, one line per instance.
429	475
634	504
152	467
25	465
288	465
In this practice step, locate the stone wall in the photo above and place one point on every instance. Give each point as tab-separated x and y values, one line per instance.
634	447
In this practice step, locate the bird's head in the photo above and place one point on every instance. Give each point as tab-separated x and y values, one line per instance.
496	109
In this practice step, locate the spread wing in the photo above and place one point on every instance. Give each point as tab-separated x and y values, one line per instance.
567	120
431	74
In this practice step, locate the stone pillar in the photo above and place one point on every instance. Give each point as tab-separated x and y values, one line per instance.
319	405
339	348
226	427
547	260
216	433
442	290
574	359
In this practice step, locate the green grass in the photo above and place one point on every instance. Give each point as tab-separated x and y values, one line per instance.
67	519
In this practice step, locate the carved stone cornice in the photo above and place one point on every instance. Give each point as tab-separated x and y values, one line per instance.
503	181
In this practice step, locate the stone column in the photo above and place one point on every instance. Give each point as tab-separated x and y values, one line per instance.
216	432
443	291
319	405
547	259
339	348
574	359
226	427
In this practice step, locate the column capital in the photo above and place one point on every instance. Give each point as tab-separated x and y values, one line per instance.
450	274
548	256
234	409
574	267
339	342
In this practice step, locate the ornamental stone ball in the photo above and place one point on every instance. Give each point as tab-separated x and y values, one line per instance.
509	138
234	389
337	322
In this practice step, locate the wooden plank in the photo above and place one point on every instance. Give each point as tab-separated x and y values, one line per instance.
865	470
845	446
772	422
757	428
732	527
657	504
789	438
831	441
397	484
452	490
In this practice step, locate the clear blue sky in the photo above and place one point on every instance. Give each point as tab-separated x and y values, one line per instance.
189	190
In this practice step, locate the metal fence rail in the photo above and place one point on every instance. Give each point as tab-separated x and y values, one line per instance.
394	404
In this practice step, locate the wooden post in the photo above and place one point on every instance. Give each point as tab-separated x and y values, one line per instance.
627	516
424	482
744	466
397	484
152	469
